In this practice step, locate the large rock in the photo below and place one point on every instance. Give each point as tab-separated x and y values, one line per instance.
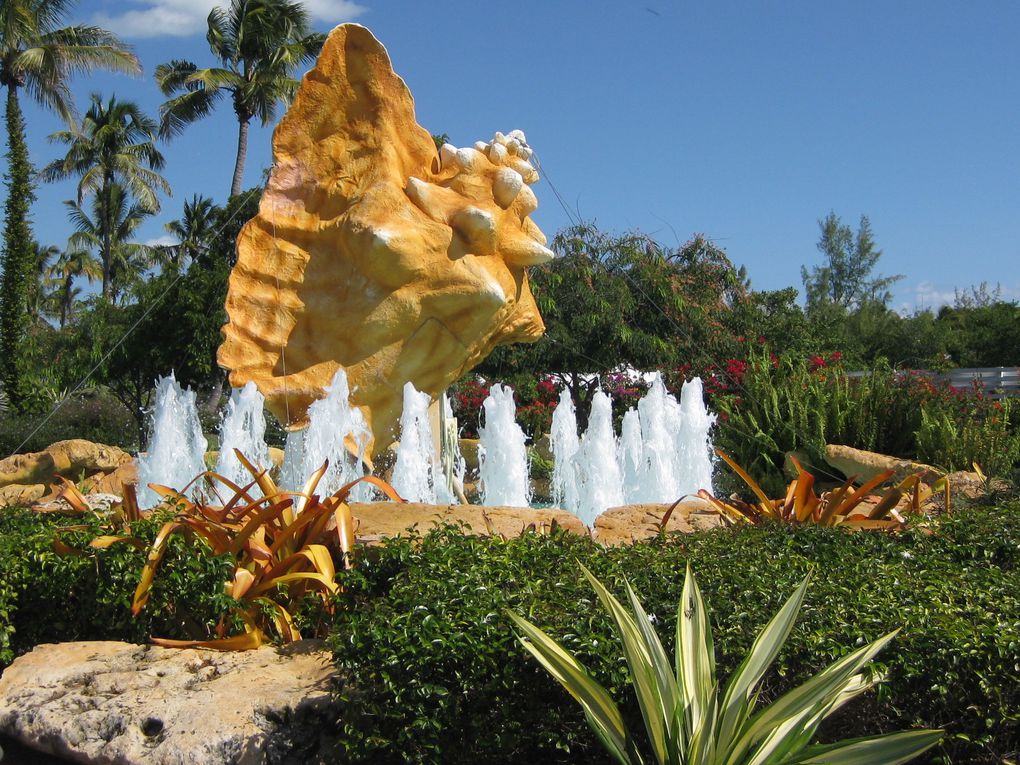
633	523
864	465
109	702
113	483
26	469
373	252
376	520
70	459
18	495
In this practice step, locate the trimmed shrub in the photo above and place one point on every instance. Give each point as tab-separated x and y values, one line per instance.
432	670
46	597
92	415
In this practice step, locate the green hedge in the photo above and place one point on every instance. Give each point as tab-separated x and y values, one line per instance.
46	597
433	672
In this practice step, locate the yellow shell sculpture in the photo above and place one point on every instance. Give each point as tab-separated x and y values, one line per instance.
373	251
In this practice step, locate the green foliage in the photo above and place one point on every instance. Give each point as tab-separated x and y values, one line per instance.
691	719
982	333
431	671
784	405
614	301
258	44
95	415
46	597
845	279
792	404
971	429
174	325
17	255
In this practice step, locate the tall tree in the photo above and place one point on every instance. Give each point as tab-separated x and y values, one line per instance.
39	295
72	263
259	44
39	55
845	278
17	253
113	151
624	301
110	230
194	231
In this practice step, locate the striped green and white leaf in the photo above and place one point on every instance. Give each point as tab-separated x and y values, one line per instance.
684	718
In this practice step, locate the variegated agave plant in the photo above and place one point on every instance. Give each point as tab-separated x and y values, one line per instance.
690	719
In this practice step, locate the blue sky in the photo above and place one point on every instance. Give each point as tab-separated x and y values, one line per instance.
745	121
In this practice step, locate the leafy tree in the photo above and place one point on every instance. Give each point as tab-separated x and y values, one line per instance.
172	325
39	297
982	335
72	263
259	44
113	152
17	253
617	301
193	230
109	230
845	279
39	55
770	318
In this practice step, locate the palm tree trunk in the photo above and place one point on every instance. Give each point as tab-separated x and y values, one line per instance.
65	301
242	150
17	250
106	255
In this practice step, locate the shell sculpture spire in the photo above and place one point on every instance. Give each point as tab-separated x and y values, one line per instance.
373	252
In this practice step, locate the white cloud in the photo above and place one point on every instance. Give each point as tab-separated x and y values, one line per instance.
926	295
161	241
181	18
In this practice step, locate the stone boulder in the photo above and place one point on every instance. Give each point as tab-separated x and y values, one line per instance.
864	465
73	459
111	702
17	494
633	523
377	520
113	483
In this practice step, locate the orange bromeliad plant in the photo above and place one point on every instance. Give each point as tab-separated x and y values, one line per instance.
281	544
840	507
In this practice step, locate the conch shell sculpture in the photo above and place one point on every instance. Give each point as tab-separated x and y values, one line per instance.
373	251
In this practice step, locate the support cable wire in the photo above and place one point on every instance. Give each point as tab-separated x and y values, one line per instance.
702	355
148	310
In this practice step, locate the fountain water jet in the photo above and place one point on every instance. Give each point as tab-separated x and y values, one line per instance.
664	451
631	456
502	455
598	473
243	427
176	444
564	443
693	442
334	425
416	474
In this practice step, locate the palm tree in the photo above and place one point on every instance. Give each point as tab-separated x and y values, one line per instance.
72	263
112	224
259	44
39	55
193	231
40	299
113	147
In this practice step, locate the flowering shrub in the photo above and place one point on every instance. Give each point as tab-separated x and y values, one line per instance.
466	397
